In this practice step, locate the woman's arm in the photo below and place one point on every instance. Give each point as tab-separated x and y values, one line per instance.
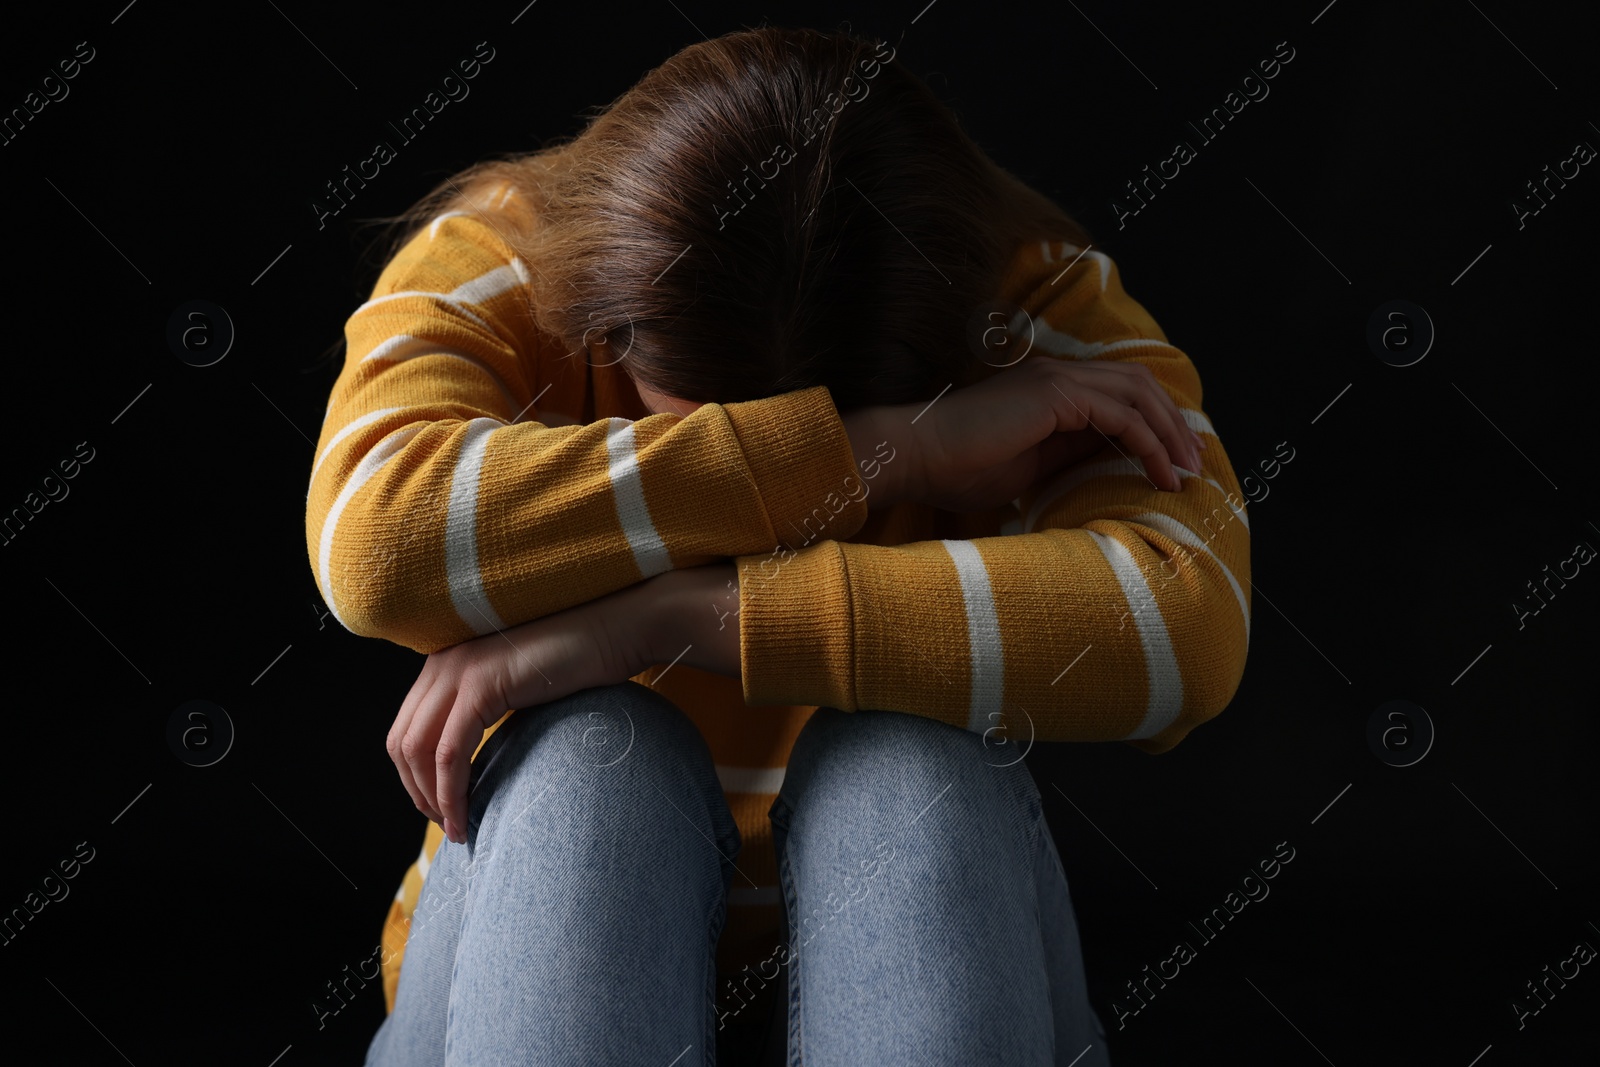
691	616
1112	610
687	616
440	508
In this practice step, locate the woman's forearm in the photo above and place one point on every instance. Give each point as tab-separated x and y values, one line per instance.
867	429
691	618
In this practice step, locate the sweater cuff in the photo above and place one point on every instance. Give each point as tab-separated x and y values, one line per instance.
797	629
797	450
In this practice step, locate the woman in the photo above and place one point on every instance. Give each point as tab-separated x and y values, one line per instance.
731	440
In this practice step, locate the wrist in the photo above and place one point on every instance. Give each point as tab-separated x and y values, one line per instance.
657	604
882	452
691	617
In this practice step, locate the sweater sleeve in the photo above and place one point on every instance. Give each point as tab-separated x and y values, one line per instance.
1108	610
440	509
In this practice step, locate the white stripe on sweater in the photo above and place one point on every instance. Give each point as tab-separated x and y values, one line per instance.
444	298
350	428
1105	267
1163	678
1068	480
1184	535
1059	343
370	464
433	231
479	290
1070	251
486	287
467	593
1237	509
983	634
649	551
402	347
424	861
1197	421
758	780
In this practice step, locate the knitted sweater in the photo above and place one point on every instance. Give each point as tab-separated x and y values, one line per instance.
469	477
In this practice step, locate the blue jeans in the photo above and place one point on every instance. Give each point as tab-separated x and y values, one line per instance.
927	917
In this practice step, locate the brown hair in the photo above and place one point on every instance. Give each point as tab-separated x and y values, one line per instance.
763	212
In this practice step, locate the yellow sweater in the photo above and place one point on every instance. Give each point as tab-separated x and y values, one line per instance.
470	476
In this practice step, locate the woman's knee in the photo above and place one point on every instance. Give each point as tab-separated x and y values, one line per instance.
901	772
609	726
864	748
613	751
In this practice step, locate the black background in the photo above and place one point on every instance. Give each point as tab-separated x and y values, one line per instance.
1386	556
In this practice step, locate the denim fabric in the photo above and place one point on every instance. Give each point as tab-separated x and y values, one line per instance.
927	914
930	921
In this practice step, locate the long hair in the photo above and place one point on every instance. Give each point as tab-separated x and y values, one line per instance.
764	212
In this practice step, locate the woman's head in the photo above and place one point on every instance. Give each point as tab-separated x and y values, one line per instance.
767	211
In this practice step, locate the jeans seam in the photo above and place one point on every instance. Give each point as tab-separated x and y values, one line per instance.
793	1053
1040	855
1026	791
718	919
714	932
795	1056
1029	791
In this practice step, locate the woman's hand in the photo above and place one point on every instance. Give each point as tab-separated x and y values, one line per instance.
690	615
465	689
982	445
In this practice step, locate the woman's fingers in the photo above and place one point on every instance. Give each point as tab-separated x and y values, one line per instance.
453	764
992	438
1114	417
397	741
431	699
1063	449
421	746
1136	385
1181	441
441	721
